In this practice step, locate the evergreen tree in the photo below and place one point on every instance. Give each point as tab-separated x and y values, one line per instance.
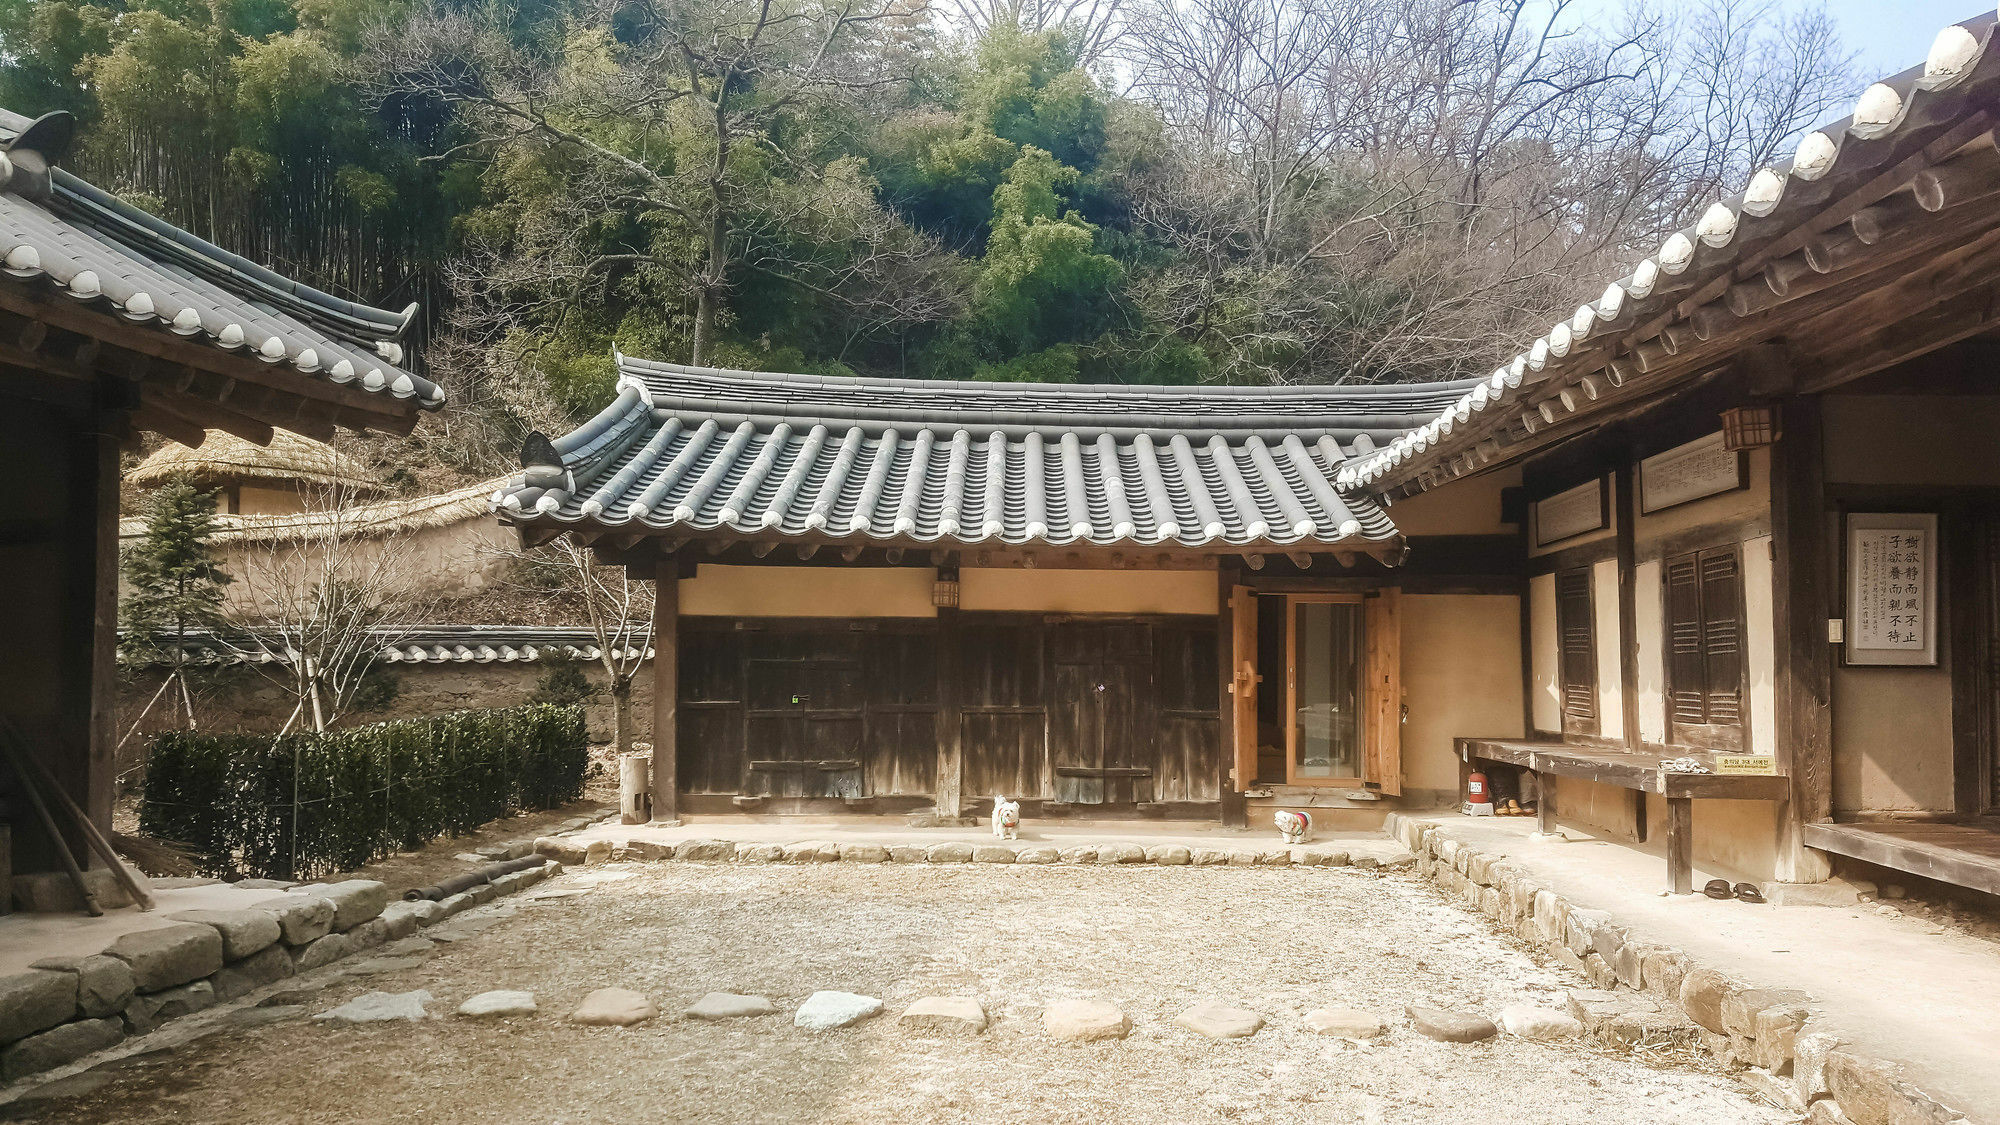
175	581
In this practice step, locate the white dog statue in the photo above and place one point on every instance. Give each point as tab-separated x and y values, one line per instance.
1295	827
1006	819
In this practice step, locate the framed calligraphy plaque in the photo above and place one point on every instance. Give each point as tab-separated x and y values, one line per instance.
1578	511
1892	588
1688	473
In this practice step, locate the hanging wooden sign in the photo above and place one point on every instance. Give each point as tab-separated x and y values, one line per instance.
1571	513
1891	588
1690	472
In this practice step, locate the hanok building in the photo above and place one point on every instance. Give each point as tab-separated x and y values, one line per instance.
1714	560
289	475
113	322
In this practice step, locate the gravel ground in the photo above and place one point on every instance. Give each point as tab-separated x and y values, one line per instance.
1154	940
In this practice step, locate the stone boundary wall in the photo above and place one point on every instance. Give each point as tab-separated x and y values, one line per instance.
571	851
1647	994
64	1008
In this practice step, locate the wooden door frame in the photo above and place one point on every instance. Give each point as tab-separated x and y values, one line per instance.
1293	600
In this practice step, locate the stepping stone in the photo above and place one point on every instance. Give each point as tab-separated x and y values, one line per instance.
952	1015
1218	1022
613	1007
1083	1021
824	1011
408	947
459	929
500	1002
380	1007
1347	1023
1451	1027
729	1005
1530	1022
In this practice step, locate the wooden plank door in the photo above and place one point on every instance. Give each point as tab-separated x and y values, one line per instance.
1382	694
804	727
1099	740
1243	684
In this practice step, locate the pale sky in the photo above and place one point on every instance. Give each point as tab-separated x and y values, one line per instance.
1889	35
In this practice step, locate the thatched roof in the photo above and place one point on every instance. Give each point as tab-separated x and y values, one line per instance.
225	459
382	517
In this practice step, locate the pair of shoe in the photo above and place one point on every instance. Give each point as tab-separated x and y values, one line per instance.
1511	807
1720	888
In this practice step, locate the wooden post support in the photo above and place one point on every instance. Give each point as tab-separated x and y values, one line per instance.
1680	845
1628	627
951	757
1545	803
666	690
1235	809
1801	602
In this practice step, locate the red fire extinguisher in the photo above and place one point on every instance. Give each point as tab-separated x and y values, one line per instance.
1476	791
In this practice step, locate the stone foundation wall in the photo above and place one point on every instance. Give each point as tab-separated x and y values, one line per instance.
1649	995
64	1008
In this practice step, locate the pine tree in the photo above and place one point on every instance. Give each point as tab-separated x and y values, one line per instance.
175	582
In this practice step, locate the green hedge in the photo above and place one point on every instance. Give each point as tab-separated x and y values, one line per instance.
239	801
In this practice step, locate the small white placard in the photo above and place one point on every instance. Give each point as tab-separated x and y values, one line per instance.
1693	471
1570	513
1891	588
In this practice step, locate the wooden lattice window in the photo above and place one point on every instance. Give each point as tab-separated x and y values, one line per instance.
1577	645
1704	623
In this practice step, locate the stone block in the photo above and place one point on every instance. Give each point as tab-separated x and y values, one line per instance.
425	911
58	1047
1451	1027
1629	1019
704	851
167	956
1551	916
1345	1023
1084	1021
650	851
1628	963
906	853
35	1000
1776	1035
1039	854
1218	1021
1479	868
1489	901
760	853
864	853
1875	1092
455	904
948	853
186	1000
1832	892
948	1015
1703	992
1121	853
1809	1055
481	894
1664	970
1772	1089
829	1010
243	931
992	853
1169	855
401	919
325	951
806	851
104	985
1580	929
269	965
354	901
301	918
1598	971
1741	1007
368	935
561	850
1208	857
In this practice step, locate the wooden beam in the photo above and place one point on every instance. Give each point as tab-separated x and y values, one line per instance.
666	691
1801	598
208	414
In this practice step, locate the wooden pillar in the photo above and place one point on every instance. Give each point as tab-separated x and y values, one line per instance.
666	690
1801	602
1680	845
1235	809
1545	803
101	458
951	760
1628	628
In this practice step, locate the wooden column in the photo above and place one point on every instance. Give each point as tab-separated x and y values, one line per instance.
951	756
98	465
1680	845
666	690
1801	602
1235	810
1628	626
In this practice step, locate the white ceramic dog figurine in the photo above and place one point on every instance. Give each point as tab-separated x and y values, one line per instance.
1295	827
1006	819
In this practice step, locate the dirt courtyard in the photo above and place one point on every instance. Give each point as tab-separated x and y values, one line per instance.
1154	940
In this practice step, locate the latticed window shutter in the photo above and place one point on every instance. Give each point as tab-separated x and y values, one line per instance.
1704	623
1579	651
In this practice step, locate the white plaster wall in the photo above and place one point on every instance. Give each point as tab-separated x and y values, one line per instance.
1610	671
1461	679
808	591
1649	620
1760	648
1089	591
1543	666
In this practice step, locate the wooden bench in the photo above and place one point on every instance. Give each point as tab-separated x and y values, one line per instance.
1640	773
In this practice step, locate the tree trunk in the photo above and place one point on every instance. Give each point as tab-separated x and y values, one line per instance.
710	282
621	715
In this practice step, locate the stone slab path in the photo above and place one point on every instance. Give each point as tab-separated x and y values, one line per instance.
1148	942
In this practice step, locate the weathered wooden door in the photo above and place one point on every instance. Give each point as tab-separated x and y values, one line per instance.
1099	719
805	723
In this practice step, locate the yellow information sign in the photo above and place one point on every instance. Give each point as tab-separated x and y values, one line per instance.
1760	764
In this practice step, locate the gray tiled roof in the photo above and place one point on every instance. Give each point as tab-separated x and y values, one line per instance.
792	456
90	247
1611	338
427	644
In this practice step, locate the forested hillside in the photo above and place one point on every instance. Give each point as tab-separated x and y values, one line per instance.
1141	191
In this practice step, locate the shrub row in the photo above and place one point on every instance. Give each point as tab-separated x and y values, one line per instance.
306	804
